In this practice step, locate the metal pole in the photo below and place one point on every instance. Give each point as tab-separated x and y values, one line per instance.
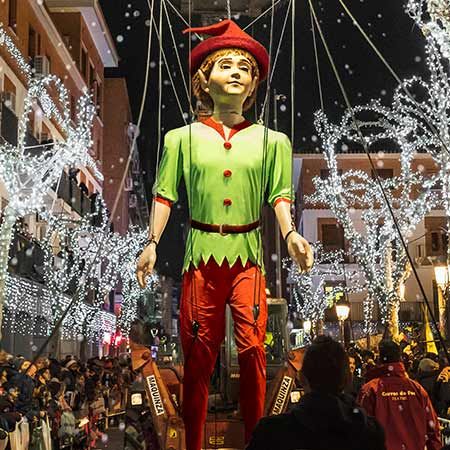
279	285
442	310
341	332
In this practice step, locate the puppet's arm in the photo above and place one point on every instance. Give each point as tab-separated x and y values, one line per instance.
298	247
158	220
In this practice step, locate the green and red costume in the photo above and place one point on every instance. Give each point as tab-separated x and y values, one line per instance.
226	182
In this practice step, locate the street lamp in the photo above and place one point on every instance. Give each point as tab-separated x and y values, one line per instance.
342	312
441	274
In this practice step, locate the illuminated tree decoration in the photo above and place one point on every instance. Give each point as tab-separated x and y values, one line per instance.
356	200
28	317
29	176
311	298
429	107
91	258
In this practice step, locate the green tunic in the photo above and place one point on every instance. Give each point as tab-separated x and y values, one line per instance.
224	185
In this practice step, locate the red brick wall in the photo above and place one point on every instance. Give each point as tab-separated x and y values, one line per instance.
71	24
117	116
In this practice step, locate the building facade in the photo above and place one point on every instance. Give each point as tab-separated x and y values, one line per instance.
69	39
317	223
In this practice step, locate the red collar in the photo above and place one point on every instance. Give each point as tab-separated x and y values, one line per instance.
210	122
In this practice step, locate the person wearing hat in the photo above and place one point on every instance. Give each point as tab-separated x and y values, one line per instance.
230	167
427	373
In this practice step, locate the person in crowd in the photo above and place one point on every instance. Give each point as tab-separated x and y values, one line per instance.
442	392
400	404
427	373
69	374
356	381
325	417
24	381
43	376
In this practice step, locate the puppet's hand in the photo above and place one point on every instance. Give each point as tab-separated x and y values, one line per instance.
300	251
145	264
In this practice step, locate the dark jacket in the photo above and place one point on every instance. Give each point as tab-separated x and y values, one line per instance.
25	384
354	386
319	422
428	381
402	407
442	398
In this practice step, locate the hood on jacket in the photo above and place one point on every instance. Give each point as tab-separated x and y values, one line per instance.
389	369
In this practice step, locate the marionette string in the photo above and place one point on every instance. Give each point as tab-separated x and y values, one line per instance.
275	60
265	115
177	54
268	10
316	58
174	88
394	75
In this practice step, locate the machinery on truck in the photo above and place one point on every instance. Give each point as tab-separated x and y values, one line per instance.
224	427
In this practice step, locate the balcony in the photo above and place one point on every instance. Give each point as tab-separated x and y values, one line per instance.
26	257
9	124
409	312
71	193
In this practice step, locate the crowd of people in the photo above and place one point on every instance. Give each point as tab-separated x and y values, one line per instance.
353	399
49	404
388	399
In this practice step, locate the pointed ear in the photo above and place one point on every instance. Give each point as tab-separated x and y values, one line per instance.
203	80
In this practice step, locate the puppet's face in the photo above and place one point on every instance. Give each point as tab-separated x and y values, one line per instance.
230	79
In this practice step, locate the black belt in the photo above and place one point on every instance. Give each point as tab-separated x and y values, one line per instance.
224	229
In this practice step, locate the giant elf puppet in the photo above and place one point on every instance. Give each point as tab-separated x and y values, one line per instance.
230	167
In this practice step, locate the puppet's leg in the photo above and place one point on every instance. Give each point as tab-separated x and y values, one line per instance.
248	285
203	301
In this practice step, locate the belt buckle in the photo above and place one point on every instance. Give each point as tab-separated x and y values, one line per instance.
221	230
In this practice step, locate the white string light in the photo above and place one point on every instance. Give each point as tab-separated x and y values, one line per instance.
27	177
371	235
311	299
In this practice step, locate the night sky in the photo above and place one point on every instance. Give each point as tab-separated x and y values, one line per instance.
364	76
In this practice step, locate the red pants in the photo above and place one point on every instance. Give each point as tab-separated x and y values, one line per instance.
215	286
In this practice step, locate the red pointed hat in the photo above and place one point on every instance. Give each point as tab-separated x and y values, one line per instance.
227	34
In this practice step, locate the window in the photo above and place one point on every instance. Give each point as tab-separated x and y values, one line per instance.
12	15
73	108
91	78
331	235
31	122
384	174
8	96
49	64
67	41
84	64
100	100
32	41
436	237
325	173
